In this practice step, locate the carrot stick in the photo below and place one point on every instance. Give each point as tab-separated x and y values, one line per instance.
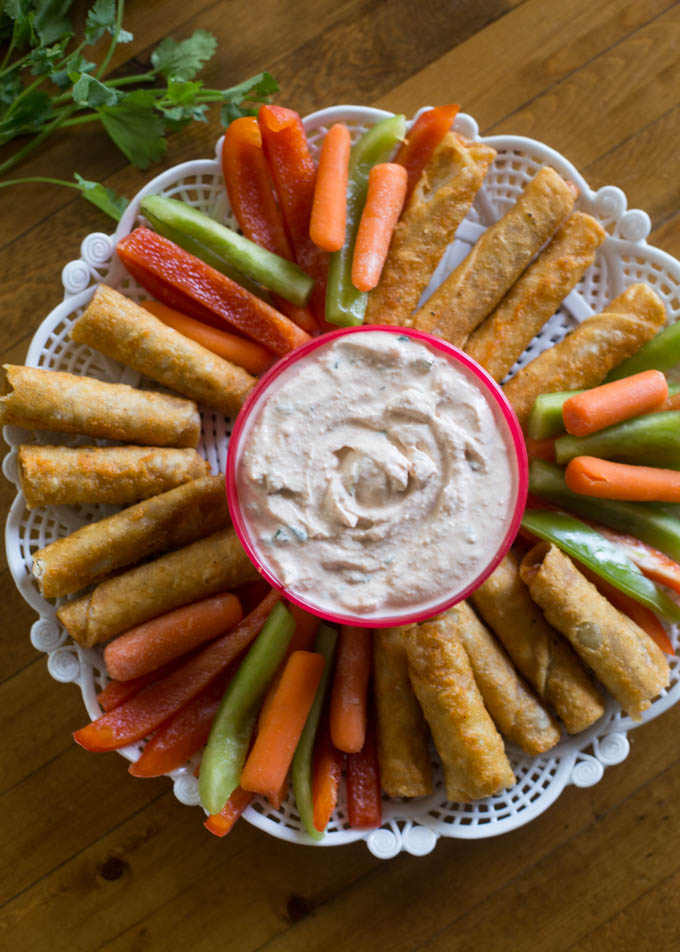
223	822
593	410
147	646
268	762
541	449
246	353
329	209
306	626
607	480
326	774
384	201
423	138
350	686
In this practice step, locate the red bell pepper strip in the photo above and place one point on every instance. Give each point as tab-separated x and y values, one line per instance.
156	703
182	735
117	692
223	822
364	801
326	774
423	138
191	286
654	564
294	173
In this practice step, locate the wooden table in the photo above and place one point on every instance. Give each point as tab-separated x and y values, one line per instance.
93	858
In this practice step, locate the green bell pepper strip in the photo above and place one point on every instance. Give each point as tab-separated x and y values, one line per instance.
227	746
601	556
657	524
345	305
304	752
274	272
649	440
660	353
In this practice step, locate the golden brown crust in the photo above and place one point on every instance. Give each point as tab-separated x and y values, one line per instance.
403	735
586	355
121	329
437	206
69	403
501	254
623	656
504	335
541	654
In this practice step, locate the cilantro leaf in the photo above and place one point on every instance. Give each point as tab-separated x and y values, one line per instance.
257	89
101	19
19	12
32	112
89	91
44	59
50	20
10	87
71	68
104	198
136	128
184	59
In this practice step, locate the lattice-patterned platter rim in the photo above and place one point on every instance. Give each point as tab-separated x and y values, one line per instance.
623	258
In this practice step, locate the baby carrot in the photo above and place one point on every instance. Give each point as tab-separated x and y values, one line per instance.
306	626
329	209
422	139
590	476
223	822
268	762
326	774
155	642
611	403
350	686
246	353
384	201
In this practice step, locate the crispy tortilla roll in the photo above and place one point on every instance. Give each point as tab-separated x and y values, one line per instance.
504	335
168	521
501	254
627	661
214	564
120	328
586	355
540	653
469	746
68	403
514	708
403	735
437	206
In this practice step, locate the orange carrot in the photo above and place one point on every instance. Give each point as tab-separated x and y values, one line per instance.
268	762
423	138
604	479
593	410
350	686
306	626
384	202
246	353
223	822
541	449
148	646
329	209
326	774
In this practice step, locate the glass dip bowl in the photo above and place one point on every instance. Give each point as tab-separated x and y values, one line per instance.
376	480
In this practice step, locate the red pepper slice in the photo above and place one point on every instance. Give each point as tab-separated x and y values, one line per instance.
117	692
223	822
425	135
326	774
364	801
184	282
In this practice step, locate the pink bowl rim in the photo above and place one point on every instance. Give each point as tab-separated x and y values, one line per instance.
494	395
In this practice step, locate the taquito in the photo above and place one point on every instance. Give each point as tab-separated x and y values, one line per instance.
585	356
505	334
403	735
69	403
168	521
214	564
501	254
514	708
59	475
438	204
623	656
540	653
469	746
127	332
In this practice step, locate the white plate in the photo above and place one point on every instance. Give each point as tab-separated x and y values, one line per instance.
624	258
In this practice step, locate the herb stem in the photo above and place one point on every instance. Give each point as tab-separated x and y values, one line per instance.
34	143
114	38
5	68
81	120
39	178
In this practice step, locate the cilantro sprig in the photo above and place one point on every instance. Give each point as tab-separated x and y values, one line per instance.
48	84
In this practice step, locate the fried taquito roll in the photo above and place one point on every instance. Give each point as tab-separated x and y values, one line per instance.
68	403
214	564
437	206
585	356
540	653
469	746
623	656
477	285
505	334
168	521
514	708
403	734
60	475
121	329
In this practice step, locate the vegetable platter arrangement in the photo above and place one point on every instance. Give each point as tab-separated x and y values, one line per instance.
472	723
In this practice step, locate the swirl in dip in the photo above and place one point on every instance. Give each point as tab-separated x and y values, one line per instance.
375	477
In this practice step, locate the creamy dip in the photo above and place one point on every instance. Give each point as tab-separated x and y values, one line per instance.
375	477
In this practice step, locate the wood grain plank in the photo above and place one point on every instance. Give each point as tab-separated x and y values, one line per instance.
17	651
